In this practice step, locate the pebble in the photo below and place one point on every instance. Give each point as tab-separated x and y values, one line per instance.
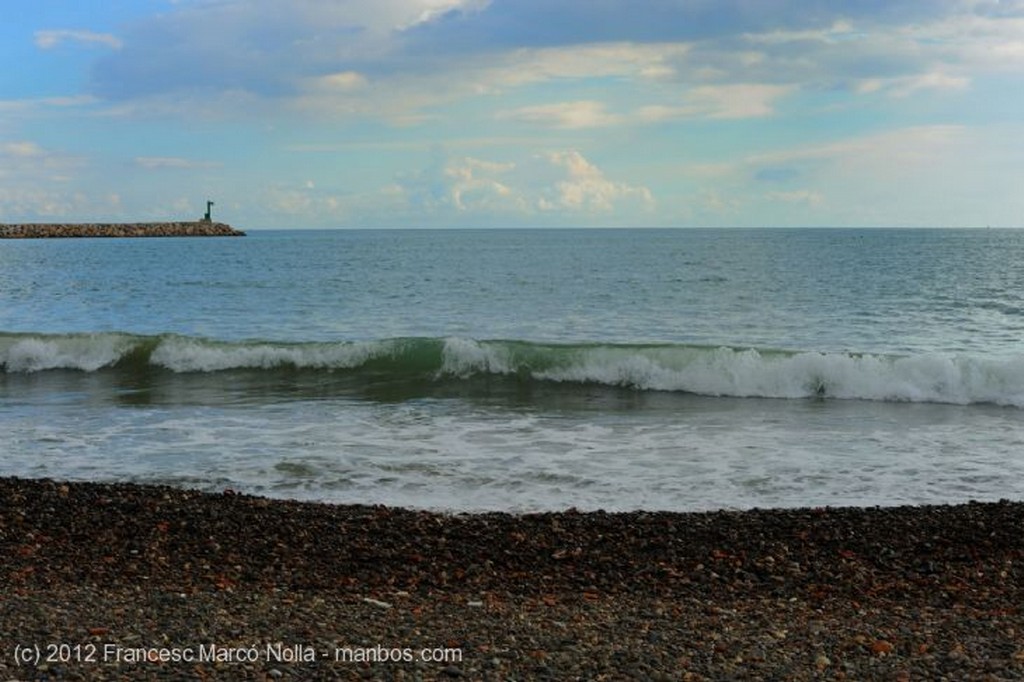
167	567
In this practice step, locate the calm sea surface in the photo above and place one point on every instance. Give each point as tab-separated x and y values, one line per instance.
523	369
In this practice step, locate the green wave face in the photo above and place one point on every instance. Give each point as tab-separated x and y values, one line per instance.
425	366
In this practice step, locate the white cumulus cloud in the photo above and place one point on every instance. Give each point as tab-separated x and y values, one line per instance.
586	188
551	186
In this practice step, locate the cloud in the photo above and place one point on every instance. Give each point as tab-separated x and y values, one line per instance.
542	23
32	203
735	101
694	80
974	41
899	53
31	107
473	183
408	61
915	146
916	176
342	81
908	85
463	184
282	50
776	174
292	201
309	204
800	196
38	183
437	9
46	40
267	47
527	65
999	8
587	189
162	162
402	96
580	114
23	150
554	184
28	161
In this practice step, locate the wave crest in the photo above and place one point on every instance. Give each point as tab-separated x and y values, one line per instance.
713	371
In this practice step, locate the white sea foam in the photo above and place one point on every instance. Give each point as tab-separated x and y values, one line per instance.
463	357
689	454
942	378
192	355
960	379
86	352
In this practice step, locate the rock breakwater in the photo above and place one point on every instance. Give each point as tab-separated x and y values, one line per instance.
196	228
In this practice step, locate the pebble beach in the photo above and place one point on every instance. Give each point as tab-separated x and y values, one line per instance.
126	582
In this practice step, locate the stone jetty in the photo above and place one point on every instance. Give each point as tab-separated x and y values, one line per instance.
195	228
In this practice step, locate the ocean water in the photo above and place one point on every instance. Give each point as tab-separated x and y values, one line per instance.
523	369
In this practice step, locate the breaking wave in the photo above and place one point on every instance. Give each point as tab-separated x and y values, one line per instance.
704	370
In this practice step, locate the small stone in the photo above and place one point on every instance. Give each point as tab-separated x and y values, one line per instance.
881	647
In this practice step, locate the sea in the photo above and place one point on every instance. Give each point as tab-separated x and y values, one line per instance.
523	370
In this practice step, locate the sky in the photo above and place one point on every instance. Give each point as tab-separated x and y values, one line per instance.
514	113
